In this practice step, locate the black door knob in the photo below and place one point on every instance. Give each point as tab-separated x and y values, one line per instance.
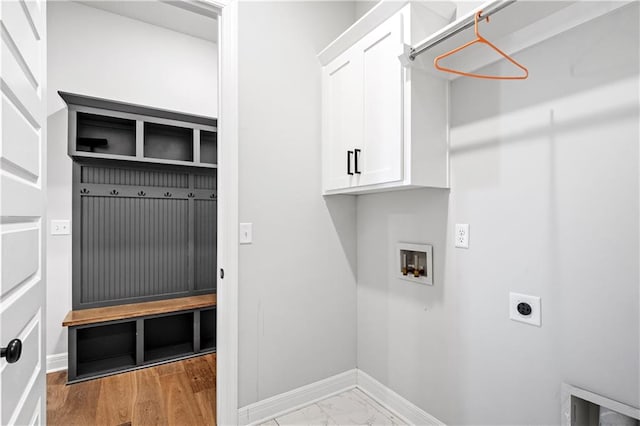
12	352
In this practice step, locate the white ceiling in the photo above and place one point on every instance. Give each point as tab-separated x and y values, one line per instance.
163	14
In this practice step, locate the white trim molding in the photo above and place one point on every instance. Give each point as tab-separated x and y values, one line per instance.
386	397
227	306
297	398
57	362
227	288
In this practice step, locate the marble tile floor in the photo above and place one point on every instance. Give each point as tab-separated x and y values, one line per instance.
352	407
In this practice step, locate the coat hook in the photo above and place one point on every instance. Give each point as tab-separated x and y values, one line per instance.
167	194
114	192
191	195
142	193
84	191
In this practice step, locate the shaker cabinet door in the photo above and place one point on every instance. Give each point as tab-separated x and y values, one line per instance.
381	156
342	118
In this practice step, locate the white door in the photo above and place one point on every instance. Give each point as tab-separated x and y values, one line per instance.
342	119
22	174
381	156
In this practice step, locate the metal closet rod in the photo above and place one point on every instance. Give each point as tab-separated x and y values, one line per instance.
463	25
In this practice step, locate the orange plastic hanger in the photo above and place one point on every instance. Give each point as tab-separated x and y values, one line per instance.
480	39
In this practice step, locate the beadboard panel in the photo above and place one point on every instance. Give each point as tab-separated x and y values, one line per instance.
205	236
205	181
133	248
124	176
142	233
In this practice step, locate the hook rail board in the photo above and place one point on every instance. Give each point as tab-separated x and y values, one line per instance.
520	25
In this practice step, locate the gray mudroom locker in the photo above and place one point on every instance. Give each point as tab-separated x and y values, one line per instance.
144	236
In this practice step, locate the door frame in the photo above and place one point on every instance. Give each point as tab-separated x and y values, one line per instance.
227	288
228	199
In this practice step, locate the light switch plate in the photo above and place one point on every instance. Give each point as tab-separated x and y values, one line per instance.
531	308
246	233
462	235
60	227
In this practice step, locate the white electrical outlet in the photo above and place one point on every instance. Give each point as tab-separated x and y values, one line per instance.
60	227
462	235
525	308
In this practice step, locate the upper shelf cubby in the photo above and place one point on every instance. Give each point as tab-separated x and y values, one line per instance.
105	135
168	142
208	147
105	129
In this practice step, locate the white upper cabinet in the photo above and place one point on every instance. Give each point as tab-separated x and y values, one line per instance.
381	79
341	92
383	125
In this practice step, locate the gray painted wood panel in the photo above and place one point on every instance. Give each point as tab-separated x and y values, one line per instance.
124	176
142	234
205	244
123	107
205	181
133	248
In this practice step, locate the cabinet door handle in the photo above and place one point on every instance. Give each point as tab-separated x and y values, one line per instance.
355	157
349	154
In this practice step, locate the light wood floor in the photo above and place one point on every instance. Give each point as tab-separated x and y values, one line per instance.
179	393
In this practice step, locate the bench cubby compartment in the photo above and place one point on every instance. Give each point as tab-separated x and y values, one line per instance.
207	329
114	339
168	337
106	348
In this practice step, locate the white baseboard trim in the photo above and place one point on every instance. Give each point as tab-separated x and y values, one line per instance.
410	412
278	405
56	362
297	398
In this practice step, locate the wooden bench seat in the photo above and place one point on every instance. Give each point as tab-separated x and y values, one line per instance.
134	310
113	339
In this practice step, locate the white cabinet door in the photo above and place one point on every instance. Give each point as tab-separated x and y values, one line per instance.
22	157
342	118
381	156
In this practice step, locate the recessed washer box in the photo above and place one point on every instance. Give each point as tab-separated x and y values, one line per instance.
414	262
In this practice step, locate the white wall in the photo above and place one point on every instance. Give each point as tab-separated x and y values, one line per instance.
297	295
363	6
462	6
545	171
465	6
96	53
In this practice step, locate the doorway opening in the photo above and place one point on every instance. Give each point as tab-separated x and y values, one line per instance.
162	56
